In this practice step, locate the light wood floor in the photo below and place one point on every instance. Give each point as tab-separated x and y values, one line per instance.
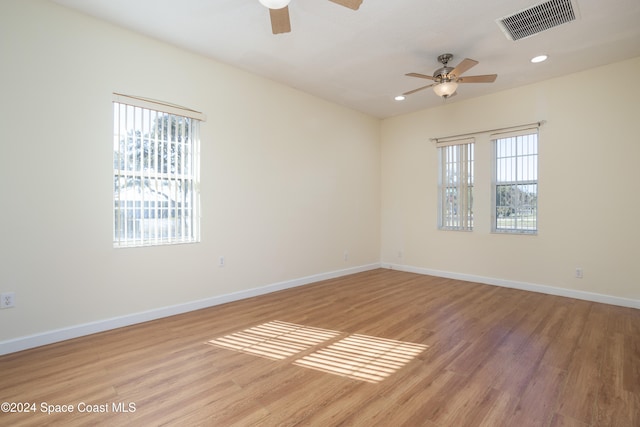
377	348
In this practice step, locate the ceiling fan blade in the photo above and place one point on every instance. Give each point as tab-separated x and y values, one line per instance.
421	76
488	78
351	4
419	89
463	66
280	22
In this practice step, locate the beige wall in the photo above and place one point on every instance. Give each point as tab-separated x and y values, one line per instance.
289	181
589	179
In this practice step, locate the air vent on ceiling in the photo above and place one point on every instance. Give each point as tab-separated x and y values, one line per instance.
538	18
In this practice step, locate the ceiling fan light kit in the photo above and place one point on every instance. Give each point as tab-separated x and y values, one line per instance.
445	89
275	4
279	12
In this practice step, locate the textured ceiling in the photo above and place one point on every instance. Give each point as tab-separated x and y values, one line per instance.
359	58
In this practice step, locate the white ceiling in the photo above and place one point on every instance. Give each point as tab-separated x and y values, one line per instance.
359	58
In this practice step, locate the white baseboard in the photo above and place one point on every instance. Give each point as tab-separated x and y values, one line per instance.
56	335
533	287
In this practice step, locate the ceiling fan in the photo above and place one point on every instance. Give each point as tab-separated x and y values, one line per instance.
279	12
446	78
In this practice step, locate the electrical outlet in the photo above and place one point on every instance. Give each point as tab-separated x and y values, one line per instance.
579	273
346	255
7	299
221	262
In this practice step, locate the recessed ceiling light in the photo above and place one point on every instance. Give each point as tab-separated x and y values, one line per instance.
399	98
539	58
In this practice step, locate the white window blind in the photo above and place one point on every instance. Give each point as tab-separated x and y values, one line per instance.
155	173
455	184
515	181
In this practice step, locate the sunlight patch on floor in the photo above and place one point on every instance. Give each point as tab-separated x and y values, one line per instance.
275	340
362	357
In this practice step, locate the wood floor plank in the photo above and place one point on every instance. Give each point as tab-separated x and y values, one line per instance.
578	400
500	411
616	407
537	403
559	420
428	351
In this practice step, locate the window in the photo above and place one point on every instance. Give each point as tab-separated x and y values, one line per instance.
455	185
155	173
515	184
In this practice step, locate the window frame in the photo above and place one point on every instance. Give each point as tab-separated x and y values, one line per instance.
156	155
519	181
459	153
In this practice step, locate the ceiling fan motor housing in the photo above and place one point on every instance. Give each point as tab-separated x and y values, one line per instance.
442	74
